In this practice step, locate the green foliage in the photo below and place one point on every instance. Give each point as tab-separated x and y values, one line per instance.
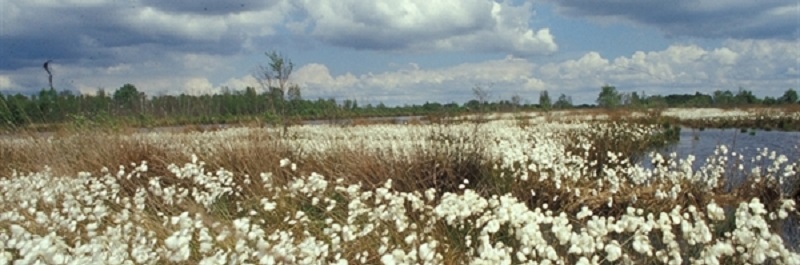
544	100
128	99
723	98
745	96
609	97
272	119
633	100
563	102
127	106
789	97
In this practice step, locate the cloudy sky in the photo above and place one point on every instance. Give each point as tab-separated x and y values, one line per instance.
405	51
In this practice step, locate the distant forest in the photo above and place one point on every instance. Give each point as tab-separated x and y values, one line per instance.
131	106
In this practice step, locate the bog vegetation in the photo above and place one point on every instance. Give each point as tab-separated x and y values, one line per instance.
561	187
278	102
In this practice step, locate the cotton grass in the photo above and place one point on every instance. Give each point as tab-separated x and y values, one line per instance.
551	193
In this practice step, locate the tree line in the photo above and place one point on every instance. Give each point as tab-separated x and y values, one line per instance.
609	97
129	104
279	102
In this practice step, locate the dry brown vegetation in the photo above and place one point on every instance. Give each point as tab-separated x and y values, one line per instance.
444	167
447	162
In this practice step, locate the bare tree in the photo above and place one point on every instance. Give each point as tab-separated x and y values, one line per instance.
274	78
482	97
49	73
516	102
481	94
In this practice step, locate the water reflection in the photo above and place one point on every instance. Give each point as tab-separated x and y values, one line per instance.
750	143
747	144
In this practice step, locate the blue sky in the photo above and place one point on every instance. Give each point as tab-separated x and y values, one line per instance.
405	51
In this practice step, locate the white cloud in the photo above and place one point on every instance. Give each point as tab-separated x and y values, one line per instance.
103	33
503	77
6	83
171	47
240	83
202	63
153	22
199	86
765	67
318	75
193	26
426	25
761	66
725	56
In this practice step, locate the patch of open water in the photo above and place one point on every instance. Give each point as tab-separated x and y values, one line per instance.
749	144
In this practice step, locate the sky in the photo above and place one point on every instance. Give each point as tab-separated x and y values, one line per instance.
405	51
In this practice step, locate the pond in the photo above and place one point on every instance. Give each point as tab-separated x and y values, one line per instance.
749	144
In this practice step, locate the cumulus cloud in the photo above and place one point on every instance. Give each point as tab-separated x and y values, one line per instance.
240	83
766	67
196	47
422	24
6	82
412	83
761	66
740	19
104	43
103	32
199	86
317	75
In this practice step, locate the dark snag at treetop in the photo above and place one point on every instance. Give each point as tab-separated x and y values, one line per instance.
49	74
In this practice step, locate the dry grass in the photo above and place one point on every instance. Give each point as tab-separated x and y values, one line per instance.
442	168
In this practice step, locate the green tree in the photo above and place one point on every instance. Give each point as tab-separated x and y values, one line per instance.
609	97
128	99
769	101
48	107
100	103
6	118
563	102
632	100
516	102
18	106
745	96
699	100
723	98
294	93
544	100
789	97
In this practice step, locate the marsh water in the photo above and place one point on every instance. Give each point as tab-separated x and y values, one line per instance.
749	144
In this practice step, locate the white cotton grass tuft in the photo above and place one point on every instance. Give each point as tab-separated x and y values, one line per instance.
715	212
585	212
285	162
